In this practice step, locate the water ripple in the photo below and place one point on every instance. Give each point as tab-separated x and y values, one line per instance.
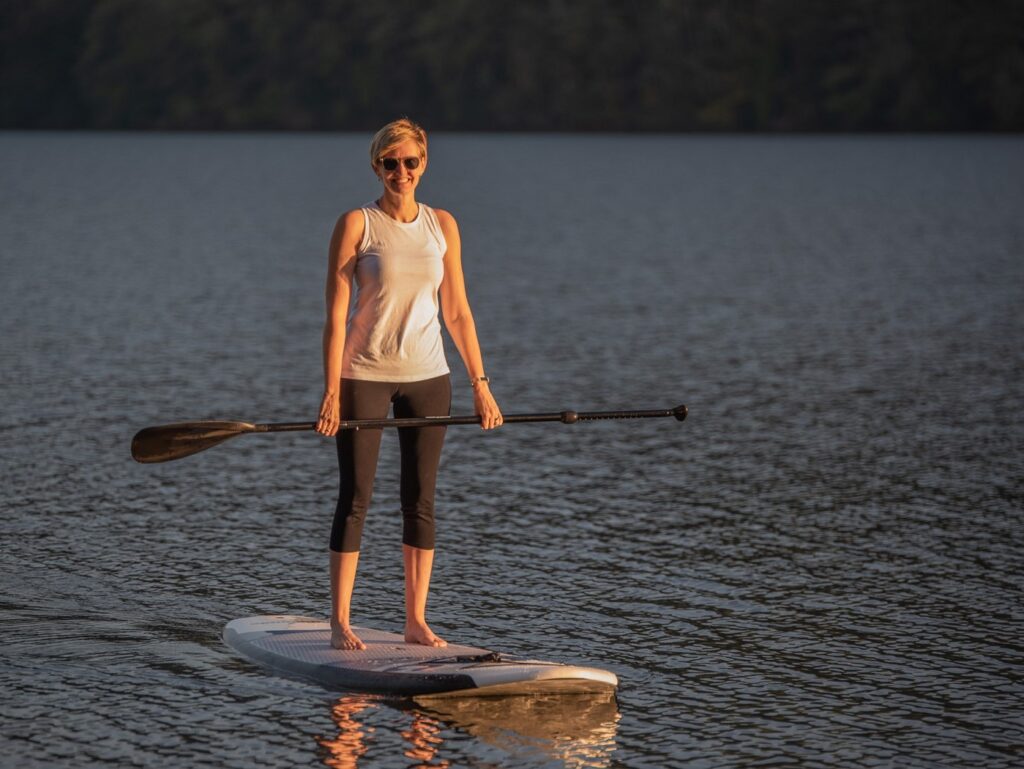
821	566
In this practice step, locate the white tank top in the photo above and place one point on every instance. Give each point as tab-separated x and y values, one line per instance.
393	334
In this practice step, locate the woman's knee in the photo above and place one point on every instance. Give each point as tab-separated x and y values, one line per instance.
418	525
347	531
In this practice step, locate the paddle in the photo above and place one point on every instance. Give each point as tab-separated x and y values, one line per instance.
166	442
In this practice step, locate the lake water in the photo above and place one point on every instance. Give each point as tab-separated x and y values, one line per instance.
821	567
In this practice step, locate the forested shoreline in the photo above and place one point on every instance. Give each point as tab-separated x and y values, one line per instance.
535	65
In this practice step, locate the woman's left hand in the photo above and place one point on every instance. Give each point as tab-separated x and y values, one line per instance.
486	407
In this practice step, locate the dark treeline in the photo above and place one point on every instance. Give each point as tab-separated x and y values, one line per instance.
604	65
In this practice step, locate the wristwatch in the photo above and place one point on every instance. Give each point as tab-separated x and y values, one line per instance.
476	380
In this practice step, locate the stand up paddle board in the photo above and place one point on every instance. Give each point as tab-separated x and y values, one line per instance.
301	646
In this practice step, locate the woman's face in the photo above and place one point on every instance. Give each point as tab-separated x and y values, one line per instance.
402	180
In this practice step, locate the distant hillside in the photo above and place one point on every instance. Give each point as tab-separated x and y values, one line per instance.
560	65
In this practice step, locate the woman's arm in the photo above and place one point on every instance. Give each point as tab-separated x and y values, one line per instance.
341	268
458	319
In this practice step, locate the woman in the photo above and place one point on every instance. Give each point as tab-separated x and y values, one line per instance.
403	256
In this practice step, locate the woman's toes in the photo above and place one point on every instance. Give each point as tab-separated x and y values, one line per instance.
346	640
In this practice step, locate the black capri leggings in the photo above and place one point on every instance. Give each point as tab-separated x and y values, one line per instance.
420	449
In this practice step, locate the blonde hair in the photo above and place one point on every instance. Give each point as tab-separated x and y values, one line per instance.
393	134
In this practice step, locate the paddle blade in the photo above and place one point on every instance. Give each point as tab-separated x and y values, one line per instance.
167	442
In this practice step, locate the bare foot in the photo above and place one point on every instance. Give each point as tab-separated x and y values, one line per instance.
419	633
343	638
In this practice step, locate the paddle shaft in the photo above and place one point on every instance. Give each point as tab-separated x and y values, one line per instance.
166	442
565	417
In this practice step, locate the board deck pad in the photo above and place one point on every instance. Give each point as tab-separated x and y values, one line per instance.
301	646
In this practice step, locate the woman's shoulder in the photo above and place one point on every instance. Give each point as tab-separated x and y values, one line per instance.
351	226
353	218
444	218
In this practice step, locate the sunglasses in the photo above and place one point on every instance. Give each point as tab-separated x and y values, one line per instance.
390	164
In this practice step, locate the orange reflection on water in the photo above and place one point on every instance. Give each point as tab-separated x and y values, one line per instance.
577	730
343	751
424	740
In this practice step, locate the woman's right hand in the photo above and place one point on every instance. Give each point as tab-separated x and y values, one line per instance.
330	414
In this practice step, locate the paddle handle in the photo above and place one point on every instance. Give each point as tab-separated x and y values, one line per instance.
565	417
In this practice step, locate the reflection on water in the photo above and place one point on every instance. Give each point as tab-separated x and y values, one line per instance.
344	750
576	730
424	738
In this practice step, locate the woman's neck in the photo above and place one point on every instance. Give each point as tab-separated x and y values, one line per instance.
404	208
